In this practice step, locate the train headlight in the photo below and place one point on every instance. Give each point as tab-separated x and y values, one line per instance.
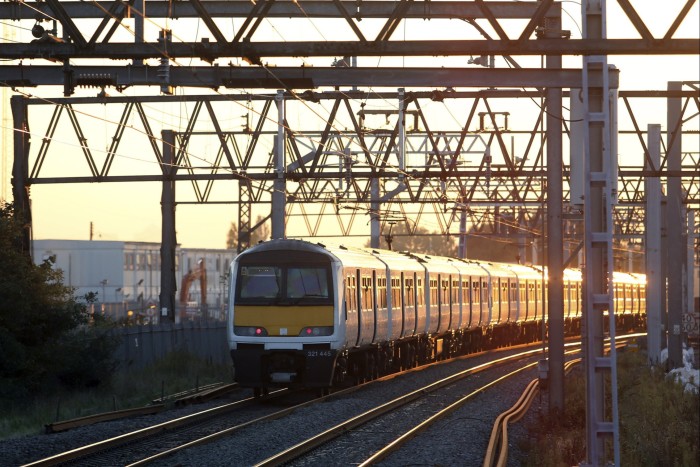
252	331
314	331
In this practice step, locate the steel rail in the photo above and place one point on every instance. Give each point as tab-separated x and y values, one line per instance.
188	392
497	450
333	432
146	432
289	410
207	394
64	425
400	441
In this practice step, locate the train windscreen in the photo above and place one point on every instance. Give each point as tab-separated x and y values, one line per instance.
283	283
260	282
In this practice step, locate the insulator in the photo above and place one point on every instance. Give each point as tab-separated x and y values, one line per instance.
164	70
98	80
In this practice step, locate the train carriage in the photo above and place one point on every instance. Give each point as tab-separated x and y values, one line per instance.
402	301
311	315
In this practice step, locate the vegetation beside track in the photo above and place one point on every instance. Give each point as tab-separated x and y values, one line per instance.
56	358
659	422
126	389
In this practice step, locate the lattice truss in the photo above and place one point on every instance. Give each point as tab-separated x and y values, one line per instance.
475	136
480	166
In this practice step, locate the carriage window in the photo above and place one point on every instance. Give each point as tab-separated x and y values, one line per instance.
432	284
351	294
445	292
475	293
381	292
419	292
396	293
260	281
410	293
367	293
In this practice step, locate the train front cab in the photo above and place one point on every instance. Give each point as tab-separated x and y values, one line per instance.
282	321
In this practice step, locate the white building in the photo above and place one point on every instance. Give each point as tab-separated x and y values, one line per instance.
126	275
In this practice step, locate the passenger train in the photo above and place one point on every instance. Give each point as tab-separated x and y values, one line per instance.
304	314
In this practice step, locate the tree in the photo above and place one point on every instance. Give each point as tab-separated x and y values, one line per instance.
429	243
262	232
47	337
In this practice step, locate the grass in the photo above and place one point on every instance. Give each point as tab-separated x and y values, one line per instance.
127	389
659	422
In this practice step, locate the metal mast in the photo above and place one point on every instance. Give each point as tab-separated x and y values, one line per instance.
598	222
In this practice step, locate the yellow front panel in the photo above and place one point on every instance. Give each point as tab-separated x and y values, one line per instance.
283	320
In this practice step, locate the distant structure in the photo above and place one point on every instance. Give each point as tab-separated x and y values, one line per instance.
126	277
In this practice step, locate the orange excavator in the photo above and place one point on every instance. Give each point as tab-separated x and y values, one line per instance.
199	273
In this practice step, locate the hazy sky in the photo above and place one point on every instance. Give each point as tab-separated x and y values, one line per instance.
132	211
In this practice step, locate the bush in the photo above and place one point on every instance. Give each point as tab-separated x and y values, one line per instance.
47	337
125	388
659	422
649	404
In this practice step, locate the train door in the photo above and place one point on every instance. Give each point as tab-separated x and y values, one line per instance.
421	306
477	312
474	307
539	308
496	299
466	289
521	300
352	315
444	308
630	298
374	305
382	318
397	307
366	306
455	303
487	289
513	300
642	299
432	304
408	292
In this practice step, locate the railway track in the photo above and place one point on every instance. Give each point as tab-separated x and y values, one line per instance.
122	449
416	411
248	422
198	428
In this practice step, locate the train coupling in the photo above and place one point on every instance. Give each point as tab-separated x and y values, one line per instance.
282	377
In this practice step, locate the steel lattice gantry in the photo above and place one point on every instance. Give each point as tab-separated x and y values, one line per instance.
474	164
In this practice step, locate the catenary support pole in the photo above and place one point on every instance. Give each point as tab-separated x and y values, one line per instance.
20	172
168	285
279	192
598	303
555	227
674	229
652	229
374	214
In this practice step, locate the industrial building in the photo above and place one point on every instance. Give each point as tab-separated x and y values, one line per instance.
125	276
